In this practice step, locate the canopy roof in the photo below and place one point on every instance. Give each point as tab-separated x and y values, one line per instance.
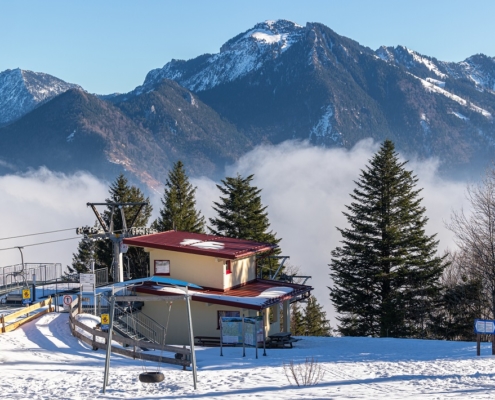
201	244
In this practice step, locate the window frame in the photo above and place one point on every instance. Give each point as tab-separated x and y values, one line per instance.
161	273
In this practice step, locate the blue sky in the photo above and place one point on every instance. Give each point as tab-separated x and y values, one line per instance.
109	46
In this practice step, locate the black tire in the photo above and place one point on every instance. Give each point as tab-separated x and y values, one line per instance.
151	377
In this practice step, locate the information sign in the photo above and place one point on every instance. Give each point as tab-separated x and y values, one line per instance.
26	294
484	326
87	281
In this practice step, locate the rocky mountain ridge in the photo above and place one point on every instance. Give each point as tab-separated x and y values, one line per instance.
277	81
21	91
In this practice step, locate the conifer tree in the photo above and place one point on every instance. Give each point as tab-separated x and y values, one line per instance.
314	319
241	215
240	212
311	321
386	272
121	192
296	320
86	253
179	204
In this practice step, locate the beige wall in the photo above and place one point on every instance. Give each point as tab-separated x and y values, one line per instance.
201	270
205	271
204	318
243	270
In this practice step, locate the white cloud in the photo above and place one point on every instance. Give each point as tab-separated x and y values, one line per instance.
306	189
41	201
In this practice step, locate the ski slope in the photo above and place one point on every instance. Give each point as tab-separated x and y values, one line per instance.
41	360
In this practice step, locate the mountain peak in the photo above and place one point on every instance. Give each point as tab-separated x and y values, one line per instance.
23	90
238	57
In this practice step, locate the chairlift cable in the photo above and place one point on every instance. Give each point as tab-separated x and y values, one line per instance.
39	233
37	244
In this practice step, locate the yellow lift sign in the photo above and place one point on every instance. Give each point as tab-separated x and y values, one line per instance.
105	319
26	294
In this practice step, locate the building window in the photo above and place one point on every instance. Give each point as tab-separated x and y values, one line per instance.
228	268
221	314
162	267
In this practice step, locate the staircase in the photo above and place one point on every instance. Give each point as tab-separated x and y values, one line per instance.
134	324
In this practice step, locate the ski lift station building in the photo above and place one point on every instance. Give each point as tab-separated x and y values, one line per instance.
226	270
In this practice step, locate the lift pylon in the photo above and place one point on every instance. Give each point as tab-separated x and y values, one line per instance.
116	236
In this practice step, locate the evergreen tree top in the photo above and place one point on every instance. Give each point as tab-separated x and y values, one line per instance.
240	212
121	192
179	204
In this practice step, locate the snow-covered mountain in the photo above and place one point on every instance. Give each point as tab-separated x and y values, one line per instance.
21	91
478	69
274	82
280	80
245	53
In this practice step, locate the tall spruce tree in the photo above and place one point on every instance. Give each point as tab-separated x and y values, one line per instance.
241	215
136	258
240	212
179	204
386	273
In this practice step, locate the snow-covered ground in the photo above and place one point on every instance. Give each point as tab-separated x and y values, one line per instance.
41	360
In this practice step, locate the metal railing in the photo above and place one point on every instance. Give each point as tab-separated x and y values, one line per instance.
133	322
15	277
101	278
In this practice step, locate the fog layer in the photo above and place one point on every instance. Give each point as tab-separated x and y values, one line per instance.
305	188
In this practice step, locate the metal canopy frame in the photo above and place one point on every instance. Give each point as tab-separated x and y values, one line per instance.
137	282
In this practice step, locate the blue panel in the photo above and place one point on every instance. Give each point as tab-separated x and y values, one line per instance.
486	326
158	279
175	282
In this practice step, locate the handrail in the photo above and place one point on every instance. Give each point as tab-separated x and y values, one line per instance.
75	309
140	324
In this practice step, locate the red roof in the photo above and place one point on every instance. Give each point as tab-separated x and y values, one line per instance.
199	243
252	296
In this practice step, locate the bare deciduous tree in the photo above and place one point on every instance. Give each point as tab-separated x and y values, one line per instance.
475	234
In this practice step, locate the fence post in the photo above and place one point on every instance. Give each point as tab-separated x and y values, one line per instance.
79	304
3	323
478	344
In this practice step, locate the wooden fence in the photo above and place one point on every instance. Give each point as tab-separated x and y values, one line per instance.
93	334
8	325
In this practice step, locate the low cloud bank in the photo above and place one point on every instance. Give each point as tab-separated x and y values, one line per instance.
41	201
306	189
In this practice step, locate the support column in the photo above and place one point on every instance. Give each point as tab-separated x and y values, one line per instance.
118	265
266	317
286	313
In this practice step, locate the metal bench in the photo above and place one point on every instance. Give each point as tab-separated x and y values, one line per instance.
207	340
14	298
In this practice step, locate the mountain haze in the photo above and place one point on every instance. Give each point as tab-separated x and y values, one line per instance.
277	81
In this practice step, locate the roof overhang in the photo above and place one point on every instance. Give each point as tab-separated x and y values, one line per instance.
250	296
